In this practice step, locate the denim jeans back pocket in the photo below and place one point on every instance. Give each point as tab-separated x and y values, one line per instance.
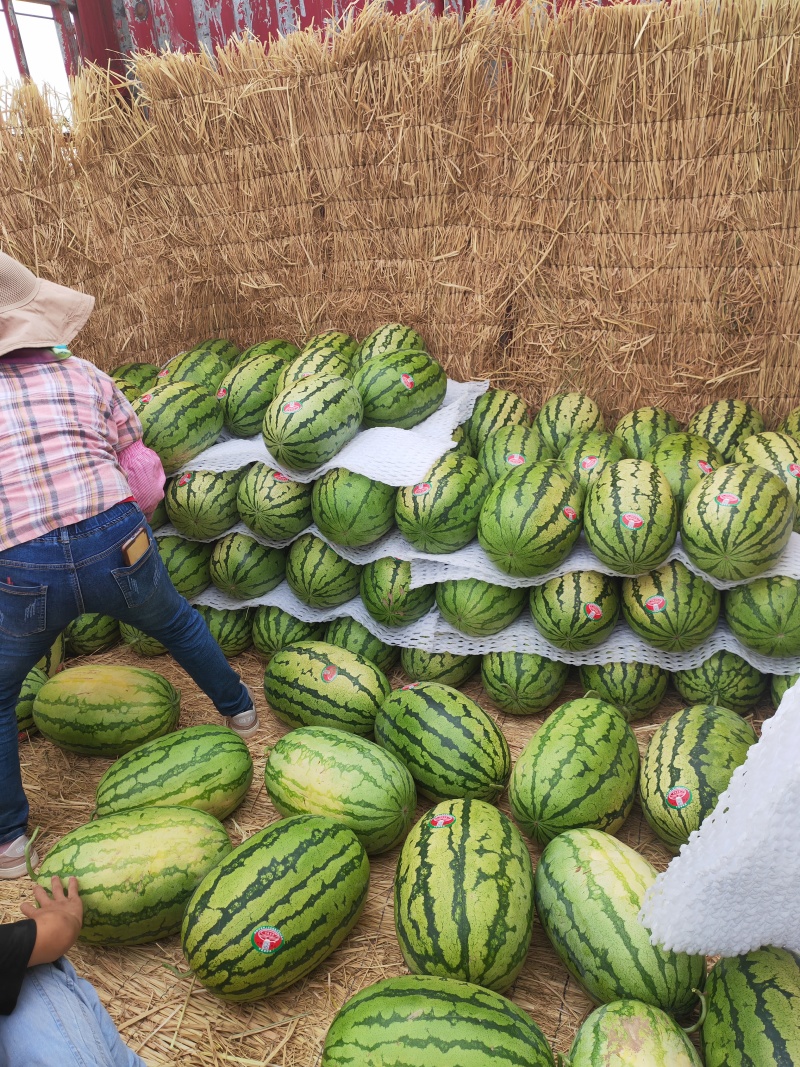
23	608
139	582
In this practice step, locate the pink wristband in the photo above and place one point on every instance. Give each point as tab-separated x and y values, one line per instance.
145	475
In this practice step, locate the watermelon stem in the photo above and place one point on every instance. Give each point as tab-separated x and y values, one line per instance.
28	849
177	970
703	1012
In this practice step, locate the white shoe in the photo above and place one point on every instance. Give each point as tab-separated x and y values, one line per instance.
12	858
245	724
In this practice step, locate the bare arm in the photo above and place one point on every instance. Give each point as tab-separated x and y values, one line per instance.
58	919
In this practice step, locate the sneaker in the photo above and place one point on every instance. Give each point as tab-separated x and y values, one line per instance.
245	724
12	858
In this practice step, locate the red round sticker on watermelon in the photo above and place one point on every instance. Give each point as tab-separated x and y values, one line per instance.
163	373
705	466
589	462
292	406
570	513
631	521
280	477
728	500
407	381
442	820
329	673
267	939
516	459
794	470
411	685
679	797
421	489
655	604
593	611
222	392
185	478
146	398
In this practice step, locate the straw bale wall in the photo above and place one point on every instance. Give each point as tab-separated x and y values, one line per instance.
607	200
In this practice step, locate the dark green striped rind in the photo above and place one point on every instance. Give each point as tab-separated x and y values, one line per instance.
136	870
509	447
51	662
745	532
579	769
635	689
318	575
565	415
522	683
319	771
303	437
231	628
139	641
387	596
200	366
244	568
440	513
531	519
350	509
479	608
344	343
247	391
418	1021
671	608
400	388
447	741
493	410
91	632
765	615
179	420
791	424
203	767
159	517
34	680
313	683
105	710
220	347
585	455
393	337
463	895
780	683
130	392
724	678
202	504
629	1033
726	423
588	889
324	359
642	429
696	750
444	667
576	611
274	629
188	563
461	445
780	455
306	877
140	376
753	1015
273	505
684	459
352	635
276	346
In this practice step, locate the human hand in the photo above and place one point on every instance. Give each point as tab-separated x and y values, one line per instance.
58	919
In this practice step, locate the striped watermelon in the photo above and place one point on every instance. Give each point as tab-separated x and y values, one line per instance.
478	608
244	568
202	504
105	710
522	683
272	505
440	513
671	608
276	346
427	1020
220	347
200	366
159	517
179	421
136	870
576	611
312	683
461	445
393	337
779	454
352	635
633	688
231	628
91	632
447	741
203	767
444	667
34	680
319	771
277	906
726	423
791	424
463	895
688	763
588	889
400	388
684	459
509	447
350	509
310	421
765	615
274	629
753	1015
318	575
322	360
139	641
631	518
130	392
579	769
780	683
188	563
531	519
344	343
140	376
565	415
724	678
387	596
737	522
641	429
628	1033
587	454
53	660
492	411
248	390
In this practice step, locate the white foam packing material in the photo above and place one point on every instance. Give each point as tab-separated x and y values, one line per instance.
734	886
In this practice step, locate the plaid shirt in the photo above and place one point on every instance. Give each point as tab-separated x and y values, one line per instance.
61	426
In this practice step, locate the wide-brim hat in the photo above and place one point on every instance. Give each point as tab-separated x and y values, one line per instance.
35	313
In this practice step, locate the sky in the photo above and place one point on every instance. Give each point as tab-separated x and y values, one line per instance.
40	41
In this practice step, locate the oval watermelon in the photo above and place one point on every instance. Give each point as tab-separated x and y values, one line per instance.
387	594
780	683
179	421
274	629
724	678
318	575
344	343
478	608
671	608
585	455
440	513
726	423
496	409
350	509
779	454
791	424
390	338
276	346
139	375
244	568
578	610
684	459
310	421
765	615
633	688
400	388
641	429
273	505
352	635
53	660
461	445
522	683
188	563
629	1033
444	667
91	632
322	359
220	347
139	641
200	366
202	504
509	447
34	680
231	628
565	415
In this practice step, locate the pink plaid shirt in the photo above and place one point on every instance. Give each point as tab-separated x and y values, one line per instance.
61	427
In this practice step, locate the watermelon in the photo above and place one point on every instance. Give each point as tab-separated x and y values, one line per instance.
140	642
319	771
200	367
312	683
274	629
588	890
780	683
726	423
478	608
780	454
447	741
641	429
724	678
247	391
587	454
393	337
130	392
274	908
765	615
633	688
220	347
310	421
737	522
444	667
579	769
577	610
188	563
91	632
631	518
140	376
429	1020
684	459
531	519
203	767
272	505
463	895
202	504
159	517
753	1017
492	411
461	445
671	608
136	870
352	635
318	575
400	388
565	415
53	660
322	360
688	764
509	447
105	710
352	510
387	596
231	628
522	683
440	513
34	680
343	343
628	1033
276	346
791	424
244	568
179	421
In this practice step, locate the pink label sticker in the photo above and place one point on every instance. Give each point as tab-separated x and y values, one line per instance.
407	381
291	407
185	478
267	939
589	462
516	459
329	673
593	611
222	392
655	604
280	477
705	466
421	489
163	373
794	470
679	797
631	521
145	398
728	500
411	685
570	513
439	821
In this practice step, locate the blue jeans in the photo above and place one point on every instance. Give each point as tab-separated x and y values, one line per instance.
59	1022
47	582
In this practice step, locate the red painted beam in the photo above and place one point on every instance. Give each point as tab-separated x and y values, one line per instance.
98	38
16	39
